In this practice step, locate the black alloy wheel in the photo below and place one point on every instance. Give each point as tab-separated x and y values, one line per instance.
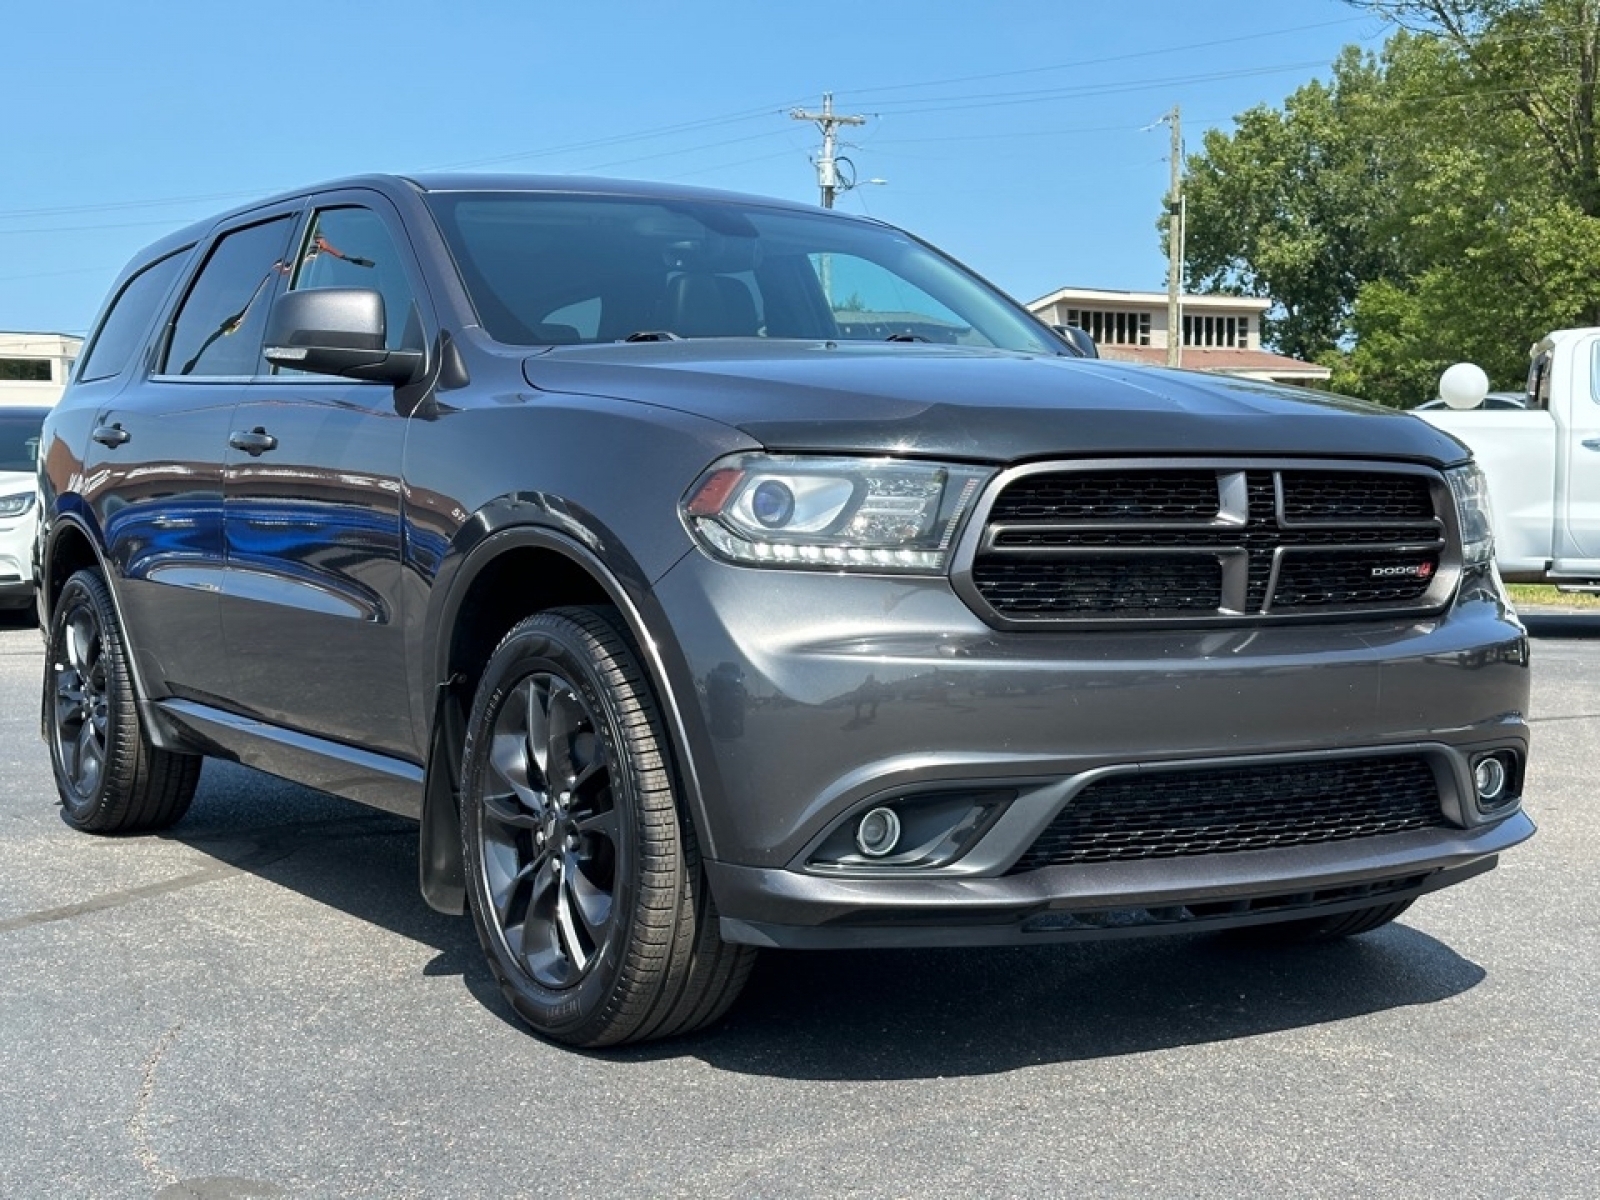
552	845
583	875
80	701
109	776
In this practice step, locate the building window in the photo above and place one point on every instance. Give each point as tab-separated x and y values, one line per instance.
27	370
1111	328
1232	333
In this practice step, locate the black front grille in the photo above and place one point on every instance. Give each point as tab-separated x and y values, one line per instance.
1349	579
1169	495
1131	585
1219	543
1343	496
1175	814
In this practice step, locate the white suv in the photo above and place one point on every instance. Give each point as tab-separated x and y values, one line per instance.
19	513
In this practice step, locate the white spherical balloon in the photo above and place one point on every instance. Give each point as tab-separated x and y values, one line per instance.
1463	385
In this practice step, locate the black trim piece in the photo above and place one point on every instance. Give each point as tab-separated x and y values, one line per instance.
372	779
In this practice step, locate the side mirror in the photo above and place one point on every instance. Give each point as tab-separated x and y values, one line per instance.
1463	386
1080	341
337	331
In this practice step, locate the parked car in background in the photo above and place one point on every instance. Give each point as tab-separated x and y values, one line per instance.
1492	400
19	513
704	573
1541	458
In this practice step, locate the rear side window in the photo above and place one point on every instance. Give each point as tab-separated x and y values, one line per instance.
122	332
219	328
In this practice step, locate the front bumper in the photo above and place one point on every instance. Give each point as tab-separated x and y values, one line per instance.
795	910
16	561
805	699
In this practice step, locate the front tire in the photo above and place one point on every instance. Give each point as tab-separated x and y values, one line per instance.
110	777
583	874
1325	929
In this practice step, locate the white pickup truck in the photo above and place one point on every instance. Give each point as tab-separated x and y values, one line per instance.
1542	460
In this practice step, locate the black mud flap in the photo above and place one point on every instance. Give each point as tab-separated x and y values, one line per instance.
440	870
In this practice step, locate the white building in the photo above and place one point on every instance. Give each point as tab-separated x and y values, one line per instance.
1220	333
34	366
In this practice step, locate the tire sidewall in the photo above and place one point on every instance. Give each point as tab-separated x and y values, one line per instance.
556	650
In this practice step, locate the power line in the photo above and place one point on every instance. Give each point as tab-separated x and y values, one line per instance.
1187	48
1081	91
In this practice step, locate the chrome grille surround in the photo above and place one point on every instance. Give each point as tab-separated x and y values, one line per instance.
1208	542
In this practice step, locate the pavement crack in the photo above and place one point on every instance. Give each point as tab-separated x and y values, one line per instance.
149	1160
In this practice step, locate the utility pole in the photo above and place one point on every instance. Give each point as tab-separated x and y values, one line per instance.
828	164
1175	244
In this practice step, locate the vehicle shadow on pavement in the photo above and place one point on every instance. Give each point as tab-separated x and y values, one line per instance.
358	860
862	1015
916	1014
18	618
1582	624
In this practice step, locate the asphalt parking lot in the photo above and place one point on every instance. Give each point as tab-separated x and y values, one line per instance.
260	1004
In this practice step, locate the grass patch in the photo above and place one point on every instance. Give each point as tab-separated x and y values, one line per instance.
1536	594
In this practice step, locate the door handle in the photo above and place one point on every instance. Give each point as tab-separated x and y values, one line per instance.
254	442
112	435
1591	443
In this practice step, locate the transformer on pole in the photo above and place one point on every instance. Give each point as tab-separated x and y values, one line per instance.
828	162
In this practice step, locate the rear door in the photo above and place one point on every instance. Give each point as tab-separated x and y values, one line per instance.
312	609
153	467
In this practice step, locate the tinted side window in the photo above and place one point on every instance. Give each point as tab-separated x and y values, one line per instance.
122	332
19	439
352	248
218	329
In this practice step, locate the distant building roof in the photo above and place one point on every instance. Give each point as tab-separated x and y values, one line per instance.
1149	299
1261	364
1221	334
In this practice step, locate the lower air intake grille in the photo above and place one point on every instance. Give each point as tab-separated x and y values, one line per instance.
1179	813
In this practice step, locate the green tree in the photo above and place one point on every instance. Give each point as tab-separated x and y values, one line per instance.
1434	203
1537	58
1284	207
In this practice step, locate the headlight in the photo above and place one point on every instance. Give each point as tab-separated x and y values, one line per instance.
15	506
1471	490
832	513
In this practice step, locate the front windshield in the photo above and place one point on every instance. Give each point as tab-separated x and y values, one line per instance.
19	439
562	269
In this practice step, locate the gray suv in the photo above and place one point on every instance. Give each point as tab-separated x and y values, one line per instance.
705	573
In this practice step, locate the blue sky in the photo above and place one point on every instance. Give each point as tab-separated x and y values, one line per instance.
1019	136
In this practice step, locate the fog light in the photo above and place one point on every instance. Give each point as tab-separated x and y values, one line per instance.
878	833
1490	778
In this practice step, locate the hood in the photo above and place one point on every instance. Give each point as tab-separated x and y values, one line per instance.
969	404
12	482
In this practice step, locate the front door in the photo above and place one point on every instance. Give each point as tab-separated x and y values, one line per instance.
312	611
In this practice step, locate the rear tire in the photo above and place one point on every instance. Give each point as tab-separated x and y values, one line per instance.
111	779
583	873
